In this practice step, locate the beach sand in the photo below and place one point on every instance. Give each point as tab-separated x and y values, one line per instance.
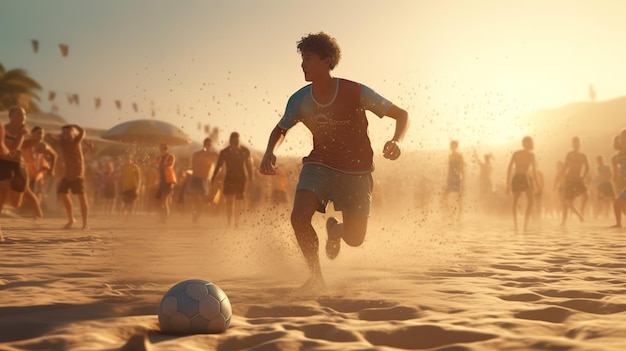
414	284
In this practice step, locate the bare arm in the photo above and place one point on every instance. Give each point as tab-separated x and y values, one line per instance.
509	171
392	149
218	165
4	151
53	157
533	165
615	170
269	160
249	167
585	168
81	132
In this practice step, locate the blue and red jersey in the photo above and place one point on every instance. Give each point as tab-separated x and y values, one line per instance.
339	127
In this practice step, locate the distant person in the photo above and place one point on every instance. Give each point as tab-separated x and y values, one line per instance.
167	179
455	179
521	168
13	165
41	160
485	186
108	182
538	184
201	163
130	181
9	167
576	170
604	188
238	169
558	188
70	142
619	173
339	168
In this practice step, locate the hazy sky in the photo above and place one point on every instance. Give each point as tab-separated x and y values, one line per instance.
463	69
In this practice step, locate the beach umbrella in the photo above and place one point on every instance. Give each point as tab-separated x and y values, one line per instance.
147	132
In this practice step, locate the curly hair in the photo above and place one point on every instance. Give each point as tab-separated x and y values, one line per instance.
323	45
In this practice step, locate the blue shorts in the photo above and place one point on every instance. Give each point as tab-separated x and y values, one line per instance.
199	186
350	193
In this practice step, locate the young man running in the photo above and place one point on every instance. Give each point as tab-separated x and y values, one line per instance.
339	167
519	180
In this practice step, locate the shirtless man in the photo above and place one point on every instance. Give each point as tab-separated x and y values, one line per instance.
456	178
8	167
12	170
36	153
518	181
604	188
201	163
618	162
70	142
576	169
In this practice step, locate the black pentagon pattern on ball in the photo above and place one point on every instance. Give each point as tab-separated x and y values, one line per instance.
188	306
195	306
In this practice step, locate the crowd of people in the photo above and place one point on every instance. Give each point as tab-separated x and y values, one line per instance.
576	188
35	164
338	169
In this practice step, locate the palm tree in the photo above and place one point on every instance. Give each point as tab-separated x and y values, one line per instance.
18	89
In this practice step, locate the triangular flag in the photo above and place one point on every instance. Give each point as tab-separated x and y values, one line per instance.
35	44
118	104
75	97
64	49
97	101
51	95
135	106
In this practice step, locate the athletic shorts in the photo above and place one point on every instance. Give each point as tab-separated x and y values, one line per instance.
574	187
199	186
77	186
606	190
164	190
350	193
519	183
129	196
16	172
235	187
454	185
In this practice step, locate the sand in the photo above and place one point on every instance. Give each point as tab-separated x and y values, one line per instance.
414	284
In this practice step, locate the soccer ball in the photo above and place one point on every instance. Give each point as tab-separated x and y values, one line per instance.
194	306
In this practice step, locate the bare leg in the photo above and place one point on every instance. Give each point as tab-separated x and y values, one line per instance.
67	203
305	205
229	208
585	198
515	200
618	208
529	208
353	229
33	201
84	209
566	206
4	192
237	208
195	206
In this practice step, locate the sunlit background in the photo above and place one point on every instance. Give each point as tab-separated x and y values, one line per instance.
468	70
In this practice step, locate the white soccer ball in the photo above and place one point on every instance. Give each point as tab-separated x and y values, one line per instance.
194	306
